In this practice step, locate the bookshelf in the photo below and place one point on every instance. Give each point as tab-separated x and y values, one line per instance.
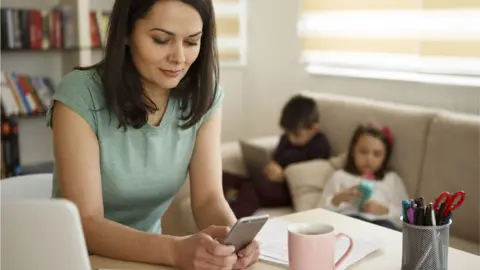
38	58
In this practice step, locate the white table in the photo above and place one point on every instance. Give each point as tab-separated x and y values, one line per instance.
389	257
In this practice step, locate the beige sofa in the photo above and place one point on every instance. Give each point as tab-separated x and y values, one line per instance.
435	151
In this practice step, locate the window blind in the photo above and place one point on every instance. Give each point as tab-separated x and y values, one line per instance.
230	17
422	36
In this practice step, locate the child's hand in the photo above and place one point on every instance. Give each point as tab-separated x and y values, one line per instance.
374	207
350	195
274	172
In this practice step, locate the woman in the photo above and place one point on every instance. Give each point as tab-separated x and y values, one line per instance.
127	130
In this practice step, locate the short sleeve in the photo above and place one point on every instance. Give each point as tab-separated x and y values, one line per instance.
217	103
75	92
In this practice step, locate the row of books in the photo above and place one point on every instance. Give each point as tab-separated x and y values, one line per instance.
10	148
48	29
24	95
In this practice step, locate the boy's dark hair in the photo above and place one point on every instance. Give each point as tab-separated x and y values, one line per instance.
123	89
377	133
299	112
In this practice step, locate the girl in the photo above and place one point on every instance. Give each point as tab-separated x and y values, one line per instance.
369	153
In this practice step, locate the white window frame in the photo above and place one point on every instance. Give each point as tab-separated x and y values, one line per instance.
234	10
446	25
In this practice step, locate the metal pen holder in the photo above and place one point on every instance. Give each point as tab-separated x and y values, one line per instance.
425	247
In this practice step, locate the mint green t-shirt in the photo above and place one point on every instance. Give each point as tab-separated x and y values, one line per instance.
141	169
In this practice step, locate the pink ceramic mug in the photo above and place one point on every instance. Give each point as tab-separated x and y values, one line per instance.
311	246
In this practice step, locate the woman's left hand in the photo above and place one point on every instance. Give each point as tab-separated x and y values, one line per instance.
247	256
374	207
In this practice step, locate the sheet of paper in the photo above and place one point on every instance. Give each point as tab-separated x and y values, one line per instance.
273	241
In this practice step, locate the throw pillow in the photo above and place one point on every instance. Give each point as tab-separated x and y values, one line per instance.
306	181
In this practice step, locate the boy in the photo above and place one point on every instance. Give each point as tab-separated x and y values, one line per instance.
302	139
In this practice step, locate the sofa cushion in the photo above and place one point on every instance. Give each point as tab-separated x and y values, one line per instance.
452	163
306	181
340	115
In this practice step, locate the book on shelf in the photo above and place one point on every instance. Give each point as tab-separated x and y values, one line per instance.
10	150
98	28
103	18
24	95
34	29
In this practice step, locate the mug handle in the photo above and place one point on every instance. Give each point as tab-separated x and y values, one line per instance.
350	246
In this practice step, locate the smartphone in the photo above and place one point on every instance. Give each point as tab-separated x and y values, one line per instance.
244	231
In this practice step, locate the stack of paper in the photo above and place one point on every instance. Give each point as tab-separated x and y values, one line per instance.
273	241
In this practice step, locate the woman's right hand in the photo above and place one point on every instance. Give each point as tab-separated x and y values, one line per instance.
202	251
350	195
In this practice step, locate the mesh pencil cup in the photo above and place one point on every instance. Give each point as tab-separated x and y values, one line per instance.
425	247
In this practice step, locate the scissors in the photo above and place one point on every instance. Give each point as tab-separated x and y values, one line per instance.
451	202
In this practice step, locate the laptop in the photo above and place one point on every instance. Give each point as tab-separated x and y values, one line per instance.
42	234
255	159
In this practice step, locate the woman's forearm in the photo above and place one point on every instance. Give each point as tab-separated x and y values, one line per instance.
215	211
113	240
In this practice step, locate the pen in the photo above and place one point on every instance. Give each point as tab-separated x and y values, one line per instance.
420	215
410	214
439	214
435	243
421	201
429	214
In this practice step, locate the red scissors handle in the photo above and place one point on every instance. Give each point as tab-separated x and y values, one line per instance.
451	202
454	204
444	197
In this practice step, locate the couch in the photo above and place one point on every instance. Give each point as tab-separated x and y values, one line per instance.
435	151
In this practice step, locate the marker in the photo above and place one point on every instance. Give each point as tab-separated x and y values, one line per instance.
405	207
420	216
410	214
439	214
421	201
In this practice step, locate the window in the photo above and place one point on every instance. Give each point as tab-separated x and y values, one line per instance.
231	31
419	37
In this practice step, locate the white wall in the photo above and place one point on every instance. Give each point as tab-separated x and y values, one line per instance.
232	81
455	98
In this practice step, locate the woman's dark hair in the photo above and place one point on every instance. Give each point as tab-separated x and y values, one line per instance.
377	133
124	92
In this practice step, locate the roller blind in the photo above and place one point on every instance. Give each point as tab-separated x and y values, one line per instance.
231	33
424	36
